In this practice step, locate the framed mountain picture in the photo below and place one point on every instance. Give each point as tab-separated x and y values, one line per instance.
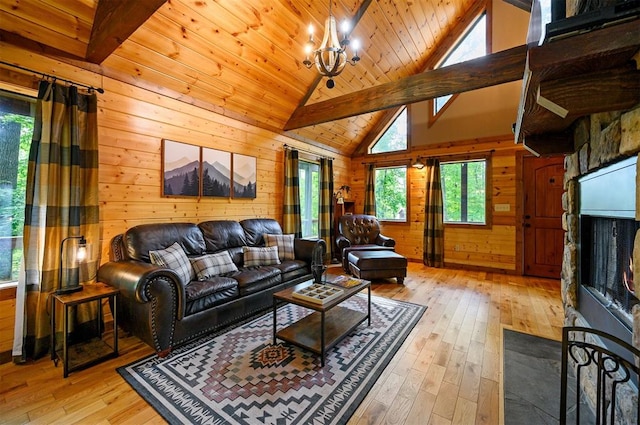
180	169
244	176
216	173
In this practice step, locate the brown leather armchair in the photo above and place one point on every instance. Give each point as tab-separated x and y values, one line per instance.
360	232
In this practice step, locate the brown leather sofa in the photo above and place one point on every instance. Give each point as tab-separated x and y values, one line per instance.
360	232
156	307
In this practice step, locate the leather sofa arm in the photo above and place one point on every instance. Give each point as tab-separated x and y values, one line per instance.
385	241
132	278
303	248
342	242
151	300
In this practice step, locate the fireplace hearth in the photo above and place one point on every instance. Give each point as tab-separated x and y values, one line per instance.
598	287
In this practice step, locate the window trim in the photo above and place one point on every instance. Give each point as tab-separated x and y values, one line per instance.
407	167
488	206
433	116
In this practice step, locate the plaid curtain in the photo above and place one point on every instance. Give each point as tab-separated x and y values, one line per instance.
61	201
433	254
325	215
369	190
292	222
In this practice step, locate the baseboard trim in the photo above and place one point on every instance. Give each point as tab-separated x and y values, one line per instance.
8	293
5	357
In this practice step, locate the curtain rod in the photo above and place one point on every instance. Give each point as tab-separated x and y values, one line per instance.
306	151
44	75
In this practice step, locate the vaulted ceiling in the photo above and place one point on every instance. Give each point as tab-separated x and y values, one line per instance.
243	58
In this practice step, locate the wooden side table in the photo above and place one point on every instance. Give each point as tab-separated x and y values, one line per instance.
98	347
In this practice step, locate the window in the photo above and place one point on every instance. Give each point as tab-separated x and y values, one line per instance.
309	177
395	136
16	129
473	45
464	191
391	193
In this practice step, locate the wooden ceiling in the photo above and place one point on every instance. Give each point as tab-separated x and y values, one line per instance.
243	58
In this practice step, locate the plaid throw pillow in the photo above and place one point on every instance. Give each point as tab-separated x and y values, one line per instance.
213	265
284	244
174	258
254	256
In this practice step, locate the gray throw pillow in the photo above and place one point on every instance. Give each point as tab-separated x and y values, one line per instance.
174	258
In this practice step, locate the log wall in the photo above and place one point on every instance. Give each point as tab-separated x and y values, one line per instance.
491	247
132	123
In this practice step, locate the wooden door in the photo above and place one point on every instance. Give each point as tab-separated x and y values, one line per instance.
543	234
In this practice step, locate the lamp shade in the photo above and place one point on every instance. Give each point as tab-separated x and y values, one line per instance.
80	255
418	164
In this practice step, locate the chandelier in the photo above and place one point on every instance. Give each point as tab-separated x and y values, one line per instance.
331	57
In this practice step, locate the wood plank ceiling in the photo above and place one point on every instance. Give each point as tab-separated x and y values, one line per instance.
242	58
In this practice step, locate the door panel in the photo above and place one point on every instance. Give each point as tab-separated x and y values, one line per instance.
543	234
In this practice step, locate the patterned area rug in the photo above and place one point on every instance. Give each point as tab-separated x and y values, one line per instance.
240	377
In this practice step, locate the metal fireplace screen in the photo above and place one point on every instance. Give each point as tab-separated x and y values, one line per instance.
610	272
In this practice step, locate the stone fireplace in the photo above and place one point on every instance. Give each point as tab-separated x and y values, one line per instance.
602	227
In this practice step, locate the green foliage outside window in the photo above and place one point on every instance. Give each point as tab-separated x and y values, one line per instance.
309	179
395	138
464	191
391	193
15	140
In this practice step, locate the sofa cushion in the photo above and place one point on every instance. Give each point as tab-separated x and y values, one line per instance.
205	294
174	258
222	234
292	269
210	265
258	256
253	279
284	244
141	239
255	228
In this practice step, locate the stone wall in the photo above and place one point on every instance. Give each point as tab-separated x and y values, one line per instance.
599	140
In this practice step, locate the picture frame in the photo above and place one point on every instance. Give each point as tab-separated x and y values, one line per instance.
244	176
181	169
216	173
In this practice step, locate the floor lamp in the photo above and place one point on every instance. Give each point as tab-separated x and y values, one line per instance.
81	254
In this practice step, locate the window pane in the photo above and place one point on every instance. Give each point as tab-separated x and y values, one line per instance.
395	137
464	191
473	45
309	177
391	193
16	129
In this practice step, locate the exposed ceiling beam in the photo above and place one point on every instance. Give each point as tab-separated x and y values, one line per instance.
34	46
491	70
520	4
114	22
447	42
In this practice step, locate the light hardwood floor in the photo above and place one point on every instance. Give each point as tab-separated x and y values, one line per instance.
447	372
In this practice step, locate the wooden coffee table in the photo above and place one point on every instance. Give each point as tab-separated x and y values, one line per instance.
327	325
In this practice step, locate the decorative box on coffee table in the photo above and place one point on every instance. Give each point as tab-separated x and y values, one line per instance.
329	323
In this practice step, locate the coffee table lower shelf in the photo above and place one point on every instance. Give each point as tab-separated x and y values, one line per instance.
307	332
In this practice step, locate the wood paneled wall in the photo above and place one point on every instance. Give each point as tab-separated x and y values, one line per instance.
491	247
132	123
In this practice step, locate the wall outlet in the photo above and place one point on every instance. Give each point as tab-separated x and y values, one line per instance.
502	207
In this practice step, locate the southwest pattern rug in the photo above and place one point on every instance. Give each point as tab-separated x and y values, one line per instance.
240	377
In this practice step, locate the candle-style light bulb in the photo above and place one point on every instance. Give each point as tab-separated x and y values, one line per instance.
355	45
